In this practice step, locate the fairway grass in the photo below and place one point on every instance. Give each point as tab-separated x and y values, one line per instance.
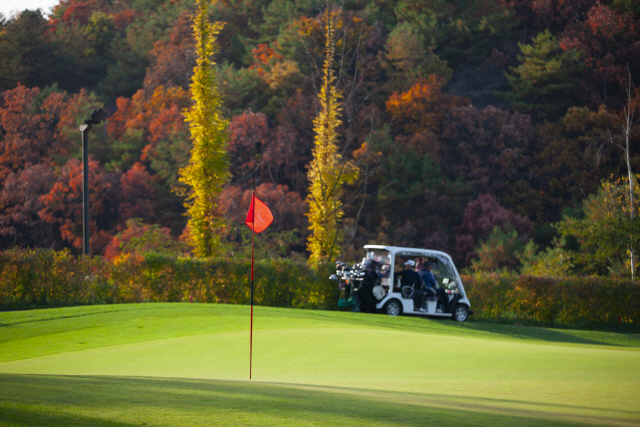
188	364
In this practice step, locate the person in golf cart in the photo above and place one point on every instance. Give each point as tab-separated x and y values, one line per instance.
427	276
432	285
410	279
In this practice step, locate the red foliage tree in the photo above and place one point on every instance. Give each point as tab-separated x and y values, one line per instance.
490	148
536	15
289	152
173	60
248	134
20	202
63	205
169	144
117	124
480	217
610	45
137	194
288	207
28	136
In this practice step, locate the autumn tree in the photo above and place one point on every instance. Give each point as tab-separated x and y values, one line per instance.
289	150
491	149
610	44
173	59
423	106
249	134
285	237
139	238
20	198
62	205
568	164
208	168
136	194
28	130
480	218
327	172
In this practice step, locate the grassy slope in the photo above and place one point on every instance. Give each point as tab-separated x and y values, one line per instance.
187	364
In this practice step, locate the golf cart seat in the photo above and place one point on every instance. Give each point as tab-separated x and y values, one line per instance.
430	292
407	291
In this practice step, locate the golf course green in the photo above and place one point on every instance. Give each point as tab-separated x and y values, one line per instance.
188	365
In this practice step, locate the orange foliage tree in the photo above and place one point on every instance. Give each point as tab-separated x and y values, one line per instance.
422	106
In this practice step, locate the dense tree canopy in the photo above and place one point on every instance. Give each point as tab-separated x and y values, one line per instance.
472	125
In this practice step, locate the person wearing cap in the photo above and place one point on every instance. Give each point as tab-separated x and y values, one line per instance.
408	277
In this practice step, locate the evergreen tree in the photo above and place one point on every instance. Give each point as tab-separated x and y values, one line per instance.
208	168
327	172
544	81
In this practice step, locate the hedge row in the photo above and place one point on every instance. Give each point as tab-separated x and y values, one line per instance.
40	277
570	301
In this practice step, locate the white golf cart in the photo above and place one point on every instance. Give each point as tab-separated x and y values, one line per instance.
393	300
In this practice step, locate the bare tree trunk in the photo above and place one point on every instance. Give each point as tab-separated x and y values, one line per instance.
628	115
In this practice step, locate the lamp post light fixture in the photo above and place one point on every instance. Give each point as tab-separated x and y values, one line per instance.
97	117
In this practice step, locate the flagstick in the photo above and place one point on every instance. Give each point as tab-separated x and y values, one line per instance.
253	215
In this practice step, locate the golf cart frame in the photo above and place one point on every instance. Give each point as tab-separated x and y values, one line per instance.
394	302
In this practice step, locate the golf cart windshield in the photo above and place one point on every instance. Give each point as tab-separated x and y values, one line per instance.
383	260
440	266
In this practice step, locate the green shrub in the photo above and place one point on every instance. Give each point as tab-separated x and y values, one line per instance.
42	277
38	277
565	301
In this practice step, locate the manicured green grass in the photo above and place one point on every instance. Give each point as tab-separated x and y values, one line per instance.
188	364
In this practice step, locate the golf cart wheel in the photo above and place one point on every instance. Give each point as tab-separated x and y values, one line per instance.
460	313
393	308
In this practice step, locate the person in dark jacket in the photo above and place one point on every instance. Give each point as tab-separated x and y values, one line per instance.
408	277
430	282
366	300
427	276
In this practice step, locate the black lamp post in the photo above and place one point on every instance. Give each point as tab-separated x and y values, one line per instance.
97	116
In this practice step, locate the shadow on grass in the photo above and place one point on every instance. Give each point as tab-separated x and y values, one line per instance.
119	401
30	415
575	336
490	329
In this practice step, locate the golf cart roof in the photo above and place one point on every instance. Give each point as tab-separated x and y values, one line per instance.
418	251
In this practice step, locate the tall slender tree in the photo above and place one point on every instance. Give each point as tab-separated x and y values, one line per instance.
208	168
327	172
628	113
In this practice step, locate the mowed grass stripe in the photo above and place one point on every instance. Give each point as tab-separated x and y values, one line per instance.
80	401
52	331
498	374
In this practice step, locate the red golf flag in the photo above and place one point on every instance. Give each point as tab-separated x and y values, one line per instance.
263	216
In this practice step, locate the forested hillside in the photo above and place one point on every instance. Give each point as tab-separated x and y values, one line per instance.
482	128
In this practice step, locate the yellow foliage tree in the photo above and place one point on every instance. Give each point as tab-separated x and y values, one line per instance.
208	168
327	171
